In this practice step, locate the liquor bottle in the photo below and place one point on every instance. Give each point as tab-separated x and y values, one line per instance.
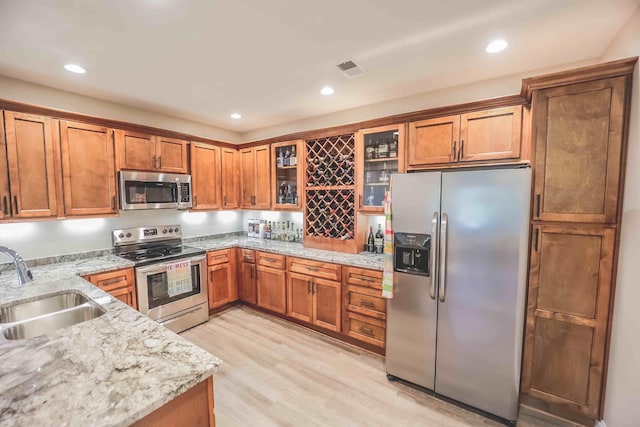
368	151
383	150
393	146
267	230
287	156
279	159
379	240
371	197
292	159
370	240
384	175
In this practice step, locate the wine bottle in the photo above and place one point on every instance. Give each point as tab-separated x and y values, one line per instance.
292	159
370	240
379	240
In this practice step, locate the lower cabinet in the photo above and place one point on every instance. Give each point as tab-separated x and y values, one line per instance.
221	273
120	284
271	289
247	283
365	310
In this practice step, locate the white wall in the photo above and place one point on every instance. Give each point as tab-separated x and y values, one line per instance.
623	386
30	93
49	238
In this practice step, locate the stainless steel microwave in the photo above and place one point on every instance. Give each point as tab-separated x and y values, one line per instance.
152	190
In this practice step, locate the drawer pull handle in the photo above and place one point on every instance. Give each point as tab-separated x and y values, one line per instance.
367	304
366	331
112	281
219	257
312	268
270	260
367	279
248	257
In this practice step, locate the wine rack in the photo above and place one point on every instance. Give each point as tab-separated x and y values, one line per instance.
330	195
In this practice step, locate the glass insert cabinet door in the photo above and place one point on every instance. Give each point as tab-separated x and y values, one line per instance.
286	174
380	153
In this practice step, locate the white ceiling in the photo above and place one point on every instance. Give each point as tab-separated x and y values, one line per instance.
204	59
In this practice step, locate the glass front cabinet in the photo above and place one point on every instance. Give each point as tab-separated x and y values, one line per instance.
286	175
379	153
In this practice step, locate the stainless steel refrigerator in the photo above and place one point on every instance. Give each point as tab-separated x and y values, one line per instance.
455	322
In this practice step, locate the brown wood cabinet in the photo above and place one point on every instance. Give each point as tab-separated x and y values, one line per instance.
481	136
119	283
221	277
88	170
286	179
205	176
255	182
28	190
230	178
299	297
271	286
365	311
247	285
5	196
139	151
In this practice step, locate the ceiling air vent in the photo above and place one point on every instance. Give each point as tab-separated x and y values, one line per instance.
350	69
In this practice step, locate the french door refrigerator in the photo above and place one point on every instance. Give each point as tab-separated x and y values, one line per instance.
455	322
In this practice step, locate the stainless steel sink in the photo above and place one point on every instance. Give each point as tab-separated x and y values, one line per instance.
46	314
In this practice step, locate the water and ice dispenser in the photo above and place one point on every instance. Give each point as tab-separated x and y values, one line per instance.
412	253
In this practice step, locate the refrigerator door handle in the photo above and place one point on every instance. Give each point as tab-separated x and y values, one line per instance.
442	276
434	246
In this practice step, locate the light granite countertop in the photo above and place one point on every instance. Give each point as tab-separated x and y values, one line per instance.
109	371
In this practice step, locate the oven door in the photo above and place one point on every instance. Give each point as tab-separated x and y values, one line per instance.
156	299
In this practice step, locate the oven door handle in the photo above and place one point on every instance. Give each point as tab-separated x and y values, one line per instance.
157	268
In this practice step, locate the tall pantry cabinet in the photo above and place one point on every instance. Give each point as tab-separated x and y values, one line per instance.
580	121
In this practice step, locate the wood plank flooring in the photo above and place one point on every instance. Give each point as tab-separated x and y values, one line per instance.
275	373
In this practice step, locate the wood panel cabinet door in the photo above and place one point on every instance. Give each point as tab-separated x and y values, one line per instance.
135	150
119	284
326	303
247	177
263	177
491	134
31	159
433	141
247	285
88	169
299	297
205	176
171	154
272	289
220	283
229	178
568	315
578	134
5	207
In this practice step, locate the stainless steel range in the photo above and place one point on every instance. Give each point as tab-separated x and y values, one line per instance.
170	277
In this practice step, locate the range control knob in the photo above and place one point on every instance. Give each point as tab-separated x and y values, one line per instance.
121	235
176	229
171	230
128	234
164	231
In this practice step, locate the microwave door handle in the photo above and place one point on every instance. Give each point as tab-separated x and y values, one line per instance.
432	261
442	275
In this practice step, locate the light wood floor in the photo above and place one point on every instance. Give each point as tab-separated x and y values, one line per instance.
275	373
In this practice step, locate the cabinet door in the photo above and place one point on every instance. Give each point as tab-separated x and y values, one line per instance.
135	151
272	289
247	288
30	154
433	141
119	284
229	178
491	134
262	197
286	179
205	176
88	170
171	154
299	297
5	208
567	315
326	303
578	131
220	282
247	177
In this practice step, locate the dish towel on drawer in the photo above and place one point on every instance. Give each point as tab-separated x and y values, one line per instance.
387	274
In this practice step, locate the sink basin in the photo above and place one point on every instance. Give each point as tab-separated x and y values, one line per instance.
46	314
44	305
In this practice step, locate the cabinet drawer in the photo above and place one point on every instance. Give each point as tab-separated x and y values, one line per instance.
315	268
219	257
367	329
367	304
271	260
363	277
249	255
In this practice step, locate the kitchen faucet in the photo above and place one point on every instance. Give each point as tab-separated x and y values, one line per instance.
23	272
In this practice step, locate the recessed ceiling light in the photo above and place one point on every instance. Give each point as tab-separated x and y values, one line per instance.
327	90
497	46
236	116
75	68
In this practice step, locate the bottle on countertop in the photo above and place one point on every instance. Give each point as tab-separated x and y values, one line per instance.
370	241
379	240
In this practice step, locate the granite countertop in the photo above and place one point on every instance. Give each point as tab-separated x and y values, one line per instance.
112	370
362	260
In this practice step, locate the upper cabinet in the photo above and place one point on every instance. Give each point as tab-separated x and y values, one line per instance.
379	153
205	176
286	175
88	169
578	134
255	177
28	162
482	136
230	178
139	151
